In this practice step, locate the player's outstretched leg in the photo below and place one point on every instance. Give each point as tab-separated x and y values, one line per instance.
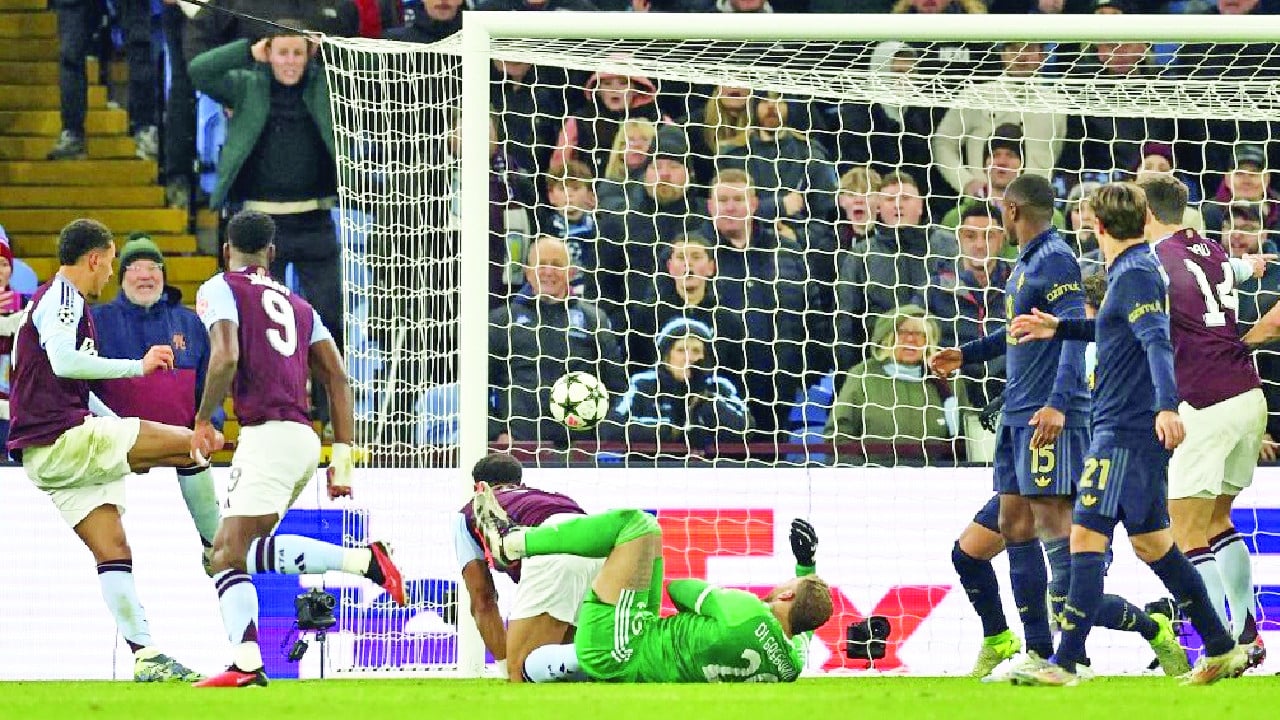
196	484
971	556
1116	613
103	533
298	555
553	663
1237	578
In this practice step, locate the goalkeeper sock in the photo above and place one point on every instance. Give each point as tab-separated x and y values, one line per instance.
1030	584
298	555
1206	564
1180	576
587	536
1236	570
1116	613
553	663
238	601
1058	552
978	579
1080	607
121	594
196	484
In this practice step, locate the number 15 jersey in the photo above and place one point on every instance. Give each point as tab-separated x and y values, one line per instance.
276	330
1210	361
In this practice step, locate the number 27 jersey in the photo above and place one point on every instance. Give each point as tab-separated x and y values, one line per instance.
276	329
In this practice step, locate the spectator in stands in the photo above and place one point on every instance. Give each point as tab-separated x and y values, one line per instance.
762	275
892	399
719	128
179	109
681	400
580	5
1001	164
437	20
612	99
78	21
687	290
511	199
528	100
540	335
966	297
1099	145
669	5
279	158
890	138
1248	182
636	226
629	159
795	179
146	313
1157	159
571	216
1245	234
222	21
886	271
11	318
859	188
956	59
743	6
967	132
1083	226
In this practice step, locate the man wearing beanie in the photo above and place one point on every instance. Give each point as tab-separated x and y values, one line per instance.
147	312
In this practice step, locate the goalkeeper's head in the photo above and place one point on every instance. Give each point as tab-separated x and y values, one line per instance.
250	240
801	604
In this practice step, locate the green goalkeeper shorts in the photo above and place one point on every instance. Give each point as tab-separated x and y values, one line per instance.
607	635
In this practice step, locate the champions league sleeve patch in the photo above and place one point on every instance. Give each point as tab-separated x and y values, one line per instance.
67	315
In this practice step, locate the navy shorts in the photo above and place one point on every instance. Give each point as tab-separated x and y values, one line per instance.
989	516
1046	472
1125	480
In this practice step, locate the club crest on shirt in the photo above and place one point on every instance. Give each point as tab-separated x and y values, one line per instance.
179	342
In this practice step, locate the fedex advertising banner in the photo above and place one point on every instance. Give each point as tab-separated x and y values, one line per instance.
886	537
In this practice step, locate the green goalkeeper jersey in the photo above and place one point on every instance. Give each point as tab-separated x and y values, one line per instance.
718	635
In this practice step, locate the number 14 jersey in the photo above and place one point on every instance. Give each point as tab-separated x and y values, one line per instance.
1210	362
276	329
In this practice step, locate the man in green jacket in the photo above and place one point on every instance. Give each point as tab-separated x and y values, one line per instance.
279	156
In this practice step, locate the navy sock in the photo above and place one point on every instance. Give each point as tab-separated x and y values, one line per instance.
1030	583
1080	609
1116	613
1180	576
978	579
1059	554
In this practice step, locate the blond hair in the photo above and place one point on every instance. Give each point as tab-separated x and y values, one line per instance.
860	180
812	606
725	128
734	176
570	172
616	168
886	343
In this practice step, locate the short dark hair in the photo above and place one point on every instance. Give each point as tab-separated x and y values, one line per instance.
498	468
81	237
289	27
1034	194
250	231
1095	289
979	208
1121	209
1166	197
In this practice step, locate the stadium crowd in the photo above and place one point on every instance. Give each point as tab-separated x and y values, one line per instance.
735	266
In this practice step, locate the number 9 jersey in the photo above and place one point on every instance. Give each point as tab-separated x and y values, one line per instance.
276	329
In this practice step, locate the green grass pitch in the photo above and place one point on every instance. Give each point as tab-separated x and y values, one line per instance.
817	699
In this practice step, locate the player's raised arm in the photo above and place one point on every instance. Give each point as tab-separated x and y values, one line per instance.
56	318
217	310
1266	330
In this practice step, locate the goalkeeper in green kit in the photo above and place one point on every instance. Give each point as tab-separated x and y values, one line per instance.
718	635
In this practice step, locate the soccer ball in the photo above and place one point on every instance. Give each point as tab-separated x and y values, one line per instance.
579	400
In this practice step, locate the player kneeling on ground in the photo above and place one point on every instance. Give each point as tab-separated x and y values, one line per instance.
718	635
549	588
267	340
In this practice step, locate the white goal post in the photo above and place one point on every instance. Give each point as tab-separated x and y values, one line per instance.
796	55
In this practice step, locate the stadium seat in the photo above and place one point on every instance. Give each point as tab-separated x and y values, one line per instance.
809	417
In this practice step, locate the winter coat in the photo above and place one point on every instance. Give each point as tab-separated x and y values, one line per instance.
658	408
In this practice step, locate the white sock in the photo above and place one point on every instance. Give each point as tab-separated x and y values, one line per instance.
202	501
1208	569
1236	568
553	663
121	595
238	600
297	555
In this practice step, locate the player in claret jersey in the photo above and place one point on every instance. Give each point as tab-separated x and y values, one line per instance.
717	636
264	341
73	447
1223	409
1135	425
549	588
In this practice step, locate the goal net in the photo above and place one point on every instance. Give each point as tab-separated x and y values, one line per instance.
753	245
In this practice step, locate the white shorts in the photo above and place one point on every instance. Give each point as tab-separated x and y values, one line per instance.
85	467
1220	452
554	584
272	463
